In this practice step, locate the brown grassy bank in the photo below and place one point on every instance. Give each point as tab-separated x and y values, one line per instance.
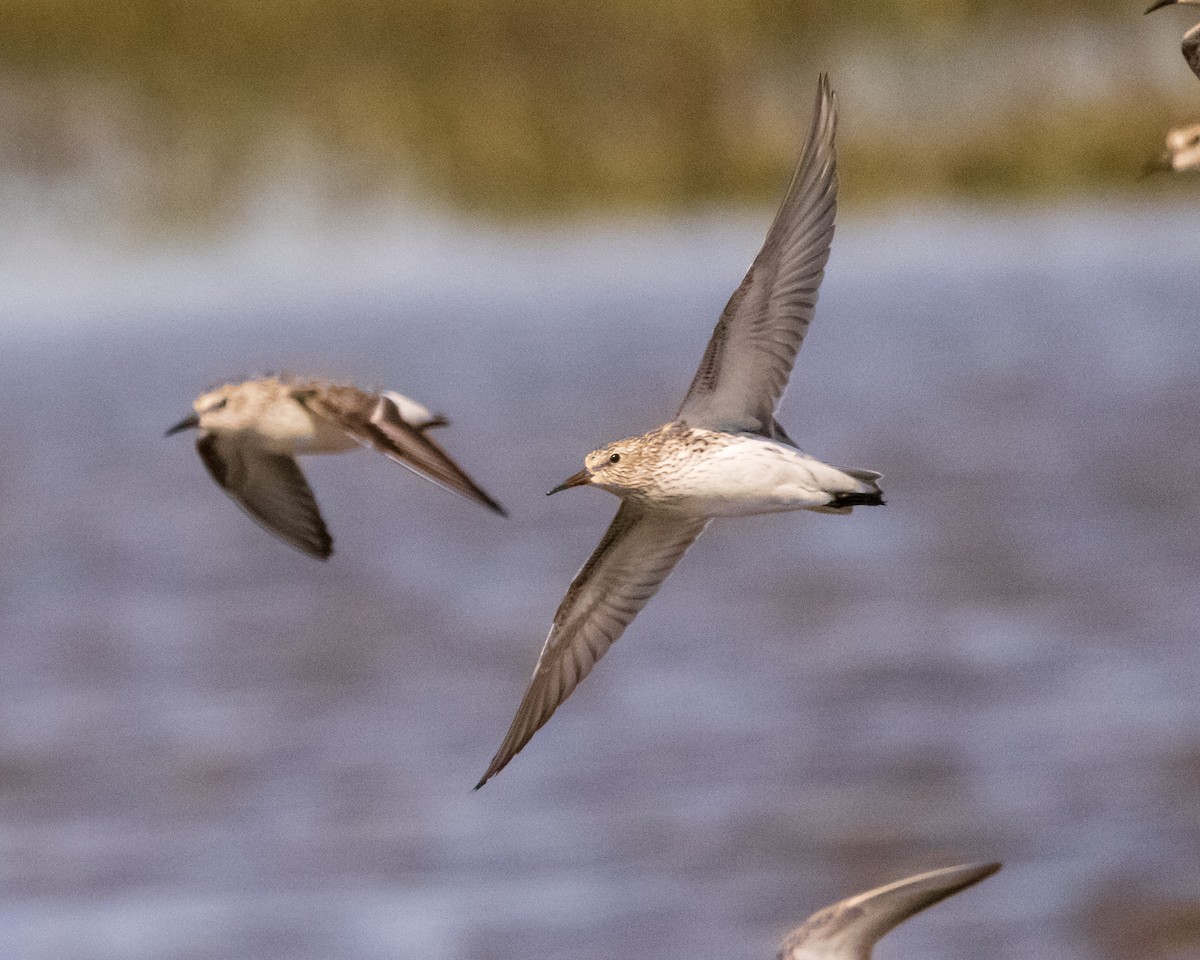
534	106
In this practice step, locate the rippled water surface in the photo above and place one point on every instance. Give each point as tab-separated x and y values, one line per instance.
212	746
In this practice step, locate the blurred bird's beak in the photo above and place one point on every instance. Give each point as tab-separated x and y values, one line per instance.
574	480
1160	3
1160	164
187	423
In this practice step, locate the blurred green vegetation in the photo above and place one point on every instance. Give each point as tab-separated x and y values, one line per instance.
536	106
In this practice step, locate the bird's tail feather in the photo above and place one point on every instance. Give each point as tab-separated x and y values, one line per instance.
868	494
866	476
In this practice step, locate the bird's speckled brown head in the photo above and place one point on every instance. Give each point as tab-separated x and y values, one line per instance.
627	466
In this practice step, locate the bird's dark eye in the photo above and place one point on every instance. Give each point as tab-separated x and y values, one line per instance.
218	405
615	458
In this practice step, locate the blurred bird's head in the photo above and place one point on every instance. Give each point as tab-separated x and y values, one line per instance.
1183	143
1182	152
212	410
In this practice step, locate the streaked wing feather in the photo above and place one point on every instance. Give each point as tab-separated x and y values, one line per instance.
636	554
269	487
748	361
375	421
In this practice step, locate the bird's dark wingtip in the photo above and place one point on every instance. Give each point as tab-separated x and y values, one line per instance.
493	768
322	550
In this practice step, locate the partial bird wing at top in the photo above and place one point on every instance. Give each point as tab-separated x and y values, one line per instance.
375	421
1191	39
749	359
271	488
849	929
1191	49
635	556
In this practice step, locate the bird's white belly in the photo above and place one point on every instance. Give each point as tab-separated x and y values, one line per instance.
324	437
290	429
751	475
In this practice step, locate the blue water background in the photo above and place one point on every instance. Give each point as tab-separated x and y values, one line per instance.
214	747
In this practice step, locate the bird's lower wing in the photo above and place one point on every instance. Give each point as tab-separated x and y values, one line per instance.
376	422
269	487
637	553
851	927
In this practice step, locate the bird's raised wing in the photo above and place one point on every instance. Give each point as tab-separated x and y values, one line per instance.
748	361
637	553
374	420
271	488
848	930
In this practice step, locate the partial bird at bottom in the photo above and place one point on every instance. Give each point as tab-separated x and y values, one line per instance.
850	928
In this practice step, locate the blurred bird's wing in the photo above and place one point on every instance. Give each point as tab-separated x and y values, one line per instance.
271	488
374	420
1191	49
749	359
1191	39
415	413
848	930
637	553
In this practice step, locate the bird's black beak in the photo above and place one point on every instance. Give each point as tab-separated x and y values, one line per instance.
187	423
1160	3
582	478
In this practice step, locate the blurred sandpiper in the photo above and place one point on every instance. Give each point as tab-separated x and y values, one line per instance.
251	433
1183	143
